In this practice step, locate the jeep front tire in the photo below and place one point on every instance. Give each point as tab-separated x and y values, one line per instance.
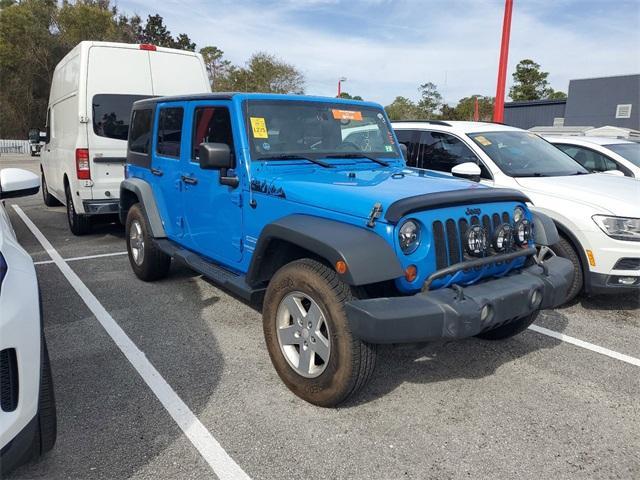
308	336
147	260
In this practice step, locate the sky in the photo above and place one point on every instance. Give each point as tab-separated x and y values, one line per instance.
387	48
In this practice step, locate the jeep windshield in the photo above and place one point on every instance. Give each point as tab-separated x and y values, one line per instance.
524	154
286	130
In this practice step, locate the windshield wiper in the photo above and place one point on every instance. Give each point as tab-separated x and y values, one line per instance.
359	155
296	157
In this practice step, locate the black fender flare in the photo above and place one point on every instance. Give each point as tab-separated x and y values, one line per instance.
369	258
544	230
142	190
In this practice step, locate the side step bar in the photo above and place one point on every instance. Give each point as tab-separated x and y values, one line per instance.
228	280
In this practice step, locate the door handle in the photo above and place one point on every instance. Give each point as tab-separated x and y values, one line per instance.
157	172
189	180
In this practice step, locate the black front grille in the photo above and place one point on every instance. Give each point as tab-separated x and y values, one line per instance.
8	380
627	264
448	237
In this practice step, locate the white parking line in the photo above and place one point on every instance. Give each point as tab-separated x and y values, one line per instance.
86	257
589	346
217	458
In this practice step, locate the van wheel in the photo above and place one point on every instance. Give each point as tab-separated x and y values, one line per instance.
308	337
147	260
78	224
510	329
49	200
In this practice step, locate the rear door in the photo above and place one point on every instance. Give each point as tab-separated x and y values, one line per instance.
116	78
177	73
212	211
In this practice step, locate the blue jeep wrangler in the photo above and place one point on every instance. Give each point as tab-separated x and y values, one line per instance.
304	206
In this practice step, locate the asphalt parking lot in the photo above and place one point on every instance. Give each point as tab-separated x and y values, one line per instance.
534	406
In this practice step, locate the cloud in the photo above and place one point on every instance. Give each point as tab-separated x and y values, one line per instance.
387	48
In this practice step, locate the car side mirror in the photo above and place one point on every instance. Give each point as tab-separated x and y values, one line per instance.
215	156
468	170
405	152
16	182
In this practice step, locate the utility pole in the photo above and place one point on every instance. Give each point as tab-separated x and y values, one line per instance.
340	80
498	106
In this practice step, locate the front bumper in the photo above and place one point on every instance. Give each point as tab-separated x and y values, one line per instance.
101	207
601	284
450	313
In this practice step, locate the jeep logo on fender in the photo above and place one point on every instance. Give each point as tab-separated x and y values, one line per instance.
472	211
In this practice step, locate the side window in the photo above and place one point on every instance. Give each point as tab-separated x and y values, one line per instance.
441	151
170	131
211	125
589	159
406	138
140	134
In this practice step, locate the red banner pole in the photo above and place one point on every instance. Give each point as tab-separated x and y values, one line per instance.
498	107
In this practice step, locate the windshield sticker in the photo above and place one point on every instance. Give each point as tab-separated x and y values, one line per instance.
346	114
482	140
259	127
388	148
266	146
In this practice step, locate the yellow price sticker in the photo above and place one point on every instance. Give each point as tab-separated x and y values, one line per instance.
259	127
482	140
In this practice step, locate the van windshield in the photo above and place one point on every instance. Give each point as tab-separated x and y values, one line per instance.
286	129
112	114
525	154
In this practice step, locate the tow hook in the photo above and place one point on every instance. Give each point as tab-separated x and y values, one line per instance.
376	211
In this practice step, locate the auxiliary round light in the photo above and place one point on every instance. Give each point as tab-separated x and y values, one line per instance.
409	237
476	242
503	238
486	313
518	214
522	232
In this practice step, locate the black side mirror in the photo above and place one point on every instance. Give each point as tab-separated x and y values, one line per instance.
215	156
218	156
403	149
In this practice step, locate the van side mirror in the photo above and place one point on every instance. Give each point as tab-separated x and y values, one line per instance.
467	170
16	182
403	149
215	156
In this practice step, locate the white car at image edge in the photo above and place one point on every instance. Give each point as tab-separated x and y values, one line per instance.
597	214
601	154
27	404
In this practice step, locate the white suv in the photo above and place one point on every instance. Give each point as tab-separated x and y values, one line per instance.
601	154
27	405
596	214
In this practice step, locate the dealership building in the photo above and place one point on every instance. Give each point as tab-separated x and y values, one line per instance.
593	102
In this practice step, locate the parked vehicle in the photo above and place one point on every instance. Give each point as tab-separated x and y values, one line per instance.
92	90
272	198
36	141
27	403
602	154
596	214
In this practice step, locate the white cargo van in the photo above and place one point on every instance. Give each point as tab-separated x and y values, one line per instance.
88	117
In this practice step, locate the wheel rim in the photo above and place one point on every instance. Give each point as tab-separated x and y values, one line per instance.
303	334
136	241
544	253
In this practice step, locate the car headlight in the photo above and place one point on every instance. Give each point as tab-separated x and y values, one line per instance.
409	237
503	238
518	214
476	241
522	232
620	228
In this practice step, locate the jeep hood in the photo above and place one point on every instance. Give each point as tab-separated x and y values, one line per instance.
605	193
355	192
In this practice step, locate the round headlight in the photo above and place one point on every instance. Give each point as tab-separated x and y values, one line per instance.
522	232
409	237
518	214
476	241
503	238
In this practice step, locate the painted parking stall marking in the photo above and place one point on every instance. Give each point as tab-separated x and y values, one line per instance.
589	346
86	257
210	449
